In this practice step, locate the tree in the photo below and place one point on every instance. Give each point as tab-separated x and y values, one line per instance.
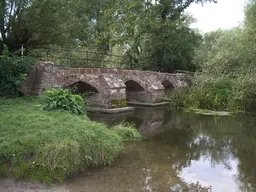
37	23
154	36
102	25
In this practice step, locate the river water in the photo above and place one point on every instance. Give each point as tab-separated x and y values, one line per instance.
180	152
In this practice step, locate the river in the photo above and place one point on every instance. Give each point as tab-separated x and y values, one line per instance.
180	152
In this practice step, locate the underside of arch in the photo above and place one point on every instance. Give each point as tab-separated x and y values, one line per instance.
133	86
83	88
168	86
134	91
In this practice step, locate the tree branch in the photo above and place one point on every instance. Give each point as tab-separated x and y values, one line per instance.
2	20
9	16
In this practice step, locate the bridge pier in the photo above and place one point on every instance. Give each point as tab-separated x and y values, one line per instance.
105	90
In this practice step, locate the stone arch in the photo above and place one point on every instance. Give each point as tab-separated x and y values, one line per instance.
135	92
91	82
135	80
82	87
168	86
132	85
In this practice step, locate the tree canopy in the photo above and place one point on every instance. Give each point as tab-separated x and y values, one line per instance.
151	34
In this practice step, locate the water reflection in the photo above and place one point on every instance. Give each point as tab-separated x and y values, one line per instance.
217	177
181	152
149	121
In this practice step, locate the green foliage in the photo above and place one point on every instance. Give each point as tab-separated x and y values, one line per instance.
217	94
170	47
152	35
127	131
155	36
226	60
50	146
210	95
62	99
38	23
13	70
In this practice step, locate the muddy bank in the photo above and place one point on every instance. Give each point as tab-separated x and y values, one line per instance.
12	185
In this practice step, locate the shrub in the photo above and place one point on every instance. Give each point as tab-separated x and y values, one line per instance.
62	99
127	131
13	70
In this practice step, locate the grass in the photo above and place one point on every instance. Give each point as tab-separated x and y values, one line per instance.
50	146
127	131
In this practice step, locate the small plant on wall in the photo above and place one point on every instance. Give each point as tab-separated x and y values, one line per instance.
62	99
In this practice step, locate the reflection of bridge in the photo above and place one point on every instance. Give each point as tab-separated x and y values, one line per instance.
108	88
149	121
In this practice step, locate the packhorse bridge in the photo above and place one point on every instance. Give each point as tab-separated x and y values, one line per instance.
105	88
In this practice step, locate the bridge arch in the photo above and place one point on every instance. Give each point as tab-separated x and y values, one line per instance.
132	80
168	86
81	87
135	92
132	85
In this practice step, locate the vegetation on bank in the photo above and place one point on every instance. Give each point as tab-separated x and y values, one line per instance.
50	146
127	131
220	94
64	100
226	79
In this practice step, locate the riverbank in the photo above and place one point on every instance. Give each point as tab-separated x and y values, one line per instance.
11	185
43	146
214	97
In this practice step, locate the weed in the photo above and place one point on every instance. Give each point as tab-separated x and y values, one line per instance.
61	99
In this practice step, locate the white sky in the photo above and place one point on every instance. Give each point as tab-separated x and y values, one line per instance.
217	176
225	14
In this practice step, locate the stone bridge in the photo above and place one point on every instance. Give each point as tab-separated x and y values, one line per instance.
105	88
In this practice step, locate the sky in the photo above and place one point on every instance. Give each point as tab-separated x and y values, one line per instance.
225	14
218	177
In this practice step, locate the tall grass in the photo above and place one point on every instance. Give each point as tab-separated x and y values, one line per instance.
220	94
50	146
127	131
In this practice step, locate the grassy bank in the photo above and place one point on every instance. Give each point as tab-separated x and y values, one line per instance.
50	146
217	94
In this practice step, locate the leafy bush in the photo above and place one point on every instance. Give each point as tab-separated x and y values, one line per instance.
13	71
50	146
127	131
62	99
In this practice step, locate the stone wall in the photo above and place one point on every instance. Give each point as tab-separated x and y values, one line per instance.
41	78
